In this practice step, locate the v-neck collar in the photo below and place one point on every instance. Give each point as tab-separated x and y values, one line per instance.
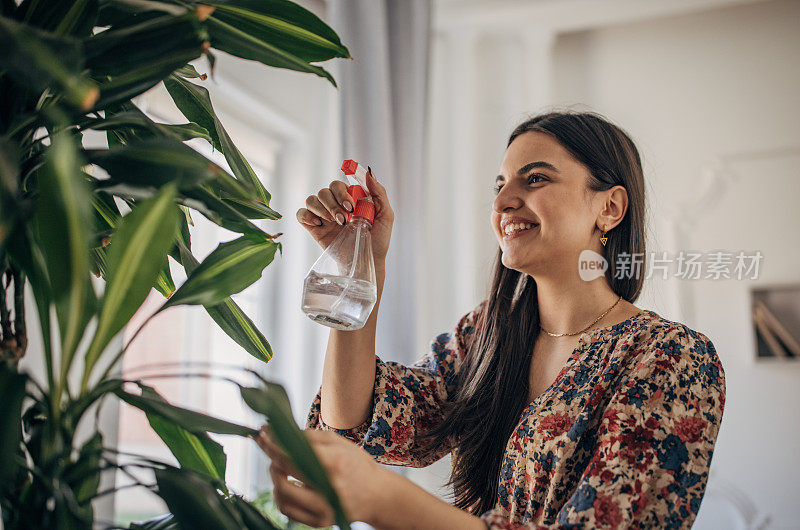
586	339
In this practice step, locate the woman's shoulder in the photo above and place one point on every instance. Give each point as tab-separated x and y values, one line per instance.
659	328
673	346
469	324
455	342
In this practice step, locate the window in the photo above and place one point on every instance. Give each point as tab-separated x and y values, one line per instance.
185	339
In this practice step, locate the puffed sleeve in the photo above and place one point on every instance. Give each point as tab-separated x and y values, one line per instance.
406	399
652	453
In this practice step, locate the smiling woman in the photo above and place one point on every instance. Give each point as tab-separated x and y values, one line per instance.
609	420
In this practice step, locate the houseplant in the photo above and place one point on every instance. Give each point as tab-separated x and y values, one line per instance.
69	67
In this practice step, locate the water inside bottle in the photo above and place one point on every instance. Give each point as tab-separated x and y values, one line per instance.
323	301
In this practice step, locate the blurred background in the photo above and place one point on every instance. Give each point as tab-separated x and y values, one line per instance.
707	89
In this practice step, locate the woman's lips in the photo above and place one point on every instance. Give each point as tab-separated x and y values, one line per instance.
518	233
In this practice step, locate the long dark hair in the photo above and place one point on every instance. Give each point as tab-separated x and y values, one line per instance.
492	383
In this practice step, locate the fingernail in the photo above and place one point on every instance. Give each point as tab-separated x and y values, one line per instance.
340	218
369	170
347	206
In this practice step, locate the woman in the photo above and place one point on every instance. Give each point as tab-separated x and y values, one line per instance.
564	405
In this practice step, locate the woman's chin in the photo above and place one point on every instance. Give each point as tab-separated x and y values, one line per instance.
520	261
513	260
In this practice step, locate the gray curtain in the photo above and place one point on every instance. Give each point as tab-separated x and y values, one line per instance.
383	95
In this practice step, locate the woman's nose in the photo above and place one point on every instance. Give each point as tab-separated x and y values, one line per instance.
507	199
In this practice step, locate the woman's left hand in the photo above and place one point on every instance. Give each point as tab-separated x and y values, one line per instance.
354	475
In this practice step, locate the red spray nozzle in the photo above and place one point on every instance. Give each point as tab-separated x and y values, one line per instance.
349	167
363	207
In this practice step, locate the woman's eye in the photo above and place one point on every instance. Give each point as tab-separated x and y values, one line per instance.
534	177
496	189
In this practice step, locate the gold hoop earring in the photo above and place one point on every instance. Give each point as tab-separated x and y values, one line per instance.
603	238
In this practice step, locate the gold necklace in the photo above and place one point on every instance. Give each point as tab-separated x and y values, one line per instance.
587	327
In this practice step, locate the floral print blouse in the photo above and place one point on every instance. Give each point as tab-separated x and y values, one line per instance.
622	438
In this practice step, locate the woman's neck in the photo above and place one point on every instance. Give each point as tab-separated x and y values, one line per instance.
567	307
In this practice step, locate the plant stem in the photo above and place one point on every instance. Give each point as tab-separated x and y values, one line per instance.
20	328
5	319
113	363
21	125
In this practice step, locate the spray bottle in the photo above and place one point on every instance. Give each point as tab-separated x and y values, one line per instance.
341	289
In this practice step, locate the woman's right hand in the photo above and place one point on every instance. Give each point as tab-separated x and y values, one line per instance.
319	216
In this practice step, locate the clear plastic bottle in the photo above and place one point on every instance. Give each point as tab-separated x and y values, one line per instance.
341	289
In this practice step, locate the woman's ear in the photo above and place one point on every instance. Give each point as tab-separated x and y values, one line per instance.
614	207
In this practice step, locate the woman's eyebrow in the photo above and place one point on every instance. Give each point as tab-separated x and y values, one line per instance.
531	165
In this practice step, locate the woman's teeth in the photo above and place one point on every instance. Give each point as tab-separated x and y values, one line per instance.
515	227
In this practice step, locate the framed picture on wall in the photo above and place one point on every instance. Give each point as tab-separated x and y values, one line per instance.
776	321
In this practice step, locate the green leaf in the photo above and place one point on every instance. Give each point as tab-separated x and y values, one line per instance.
141	126
106	212
218	211
37	60
164	283
12	388
135	82
24	249
48	15
78	406
62	219
229	269
156	161
113	138
184	237
194	502
124	13
231	319
272	402
162	522
83	476
80	18
197	452
194	422
238	326
189	72
252	209
294	28
98	262
130	60
188	131
115	121
10	207
212	60
139	193
195	103
106	218
117	51
253	519
135	258
229	38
